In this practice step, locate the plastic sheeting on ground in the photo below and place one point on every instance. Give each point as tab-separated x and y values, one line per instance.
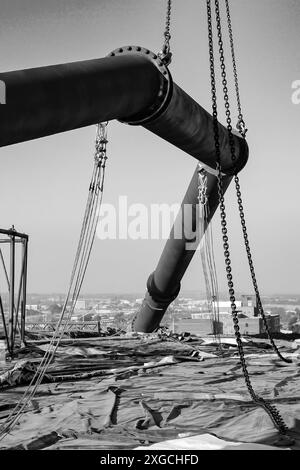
123	393
205	442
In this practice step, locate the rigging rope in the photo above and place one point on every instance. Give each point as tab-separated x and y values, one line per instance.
84	248
270	409
207	254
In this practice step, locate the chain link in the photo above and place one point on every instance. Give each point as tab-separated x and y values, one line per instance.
241	126
101	142
252	270
202	186
100	156
165	55
270	409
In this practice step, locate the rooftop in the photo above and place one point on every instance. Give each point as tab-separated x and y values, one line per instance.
140	390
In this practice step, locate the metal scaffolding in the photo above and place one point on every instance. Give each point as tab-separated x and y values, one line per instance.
13	315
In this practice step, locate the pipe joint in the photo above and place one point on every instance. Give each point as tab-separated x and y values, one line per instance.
165	89
164	298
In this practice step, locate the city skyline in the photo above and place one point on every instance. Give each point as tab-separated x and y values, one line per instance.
49	176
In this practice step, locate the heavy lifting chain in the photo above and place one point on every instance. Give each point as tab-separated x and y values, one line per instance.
165	54
242	129
100	149
241	126
252	271
270	409
202	186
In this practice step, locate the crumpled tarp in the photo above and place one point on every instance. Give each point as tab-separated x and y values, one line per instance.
21	373
123	393
205	442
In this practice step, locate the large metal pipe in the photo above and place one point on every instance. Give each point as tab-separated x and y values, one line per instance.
131	85
188	126
57	98
164	283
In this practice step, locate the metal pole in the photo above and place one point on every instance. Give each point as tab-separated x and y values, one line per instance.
164	283
4	326
12	293
13	232
4	268
23	303
20	291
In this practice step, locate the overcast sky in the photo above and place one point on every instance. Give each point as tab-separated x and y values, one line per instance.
43	183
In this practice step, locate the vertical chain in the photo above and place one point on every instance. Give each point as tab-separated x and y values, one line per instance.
100	152
165	55
270	409
202	186
252	271
242	128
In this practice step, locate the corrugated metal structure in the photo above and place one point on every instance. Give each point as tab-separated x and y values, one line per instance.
194	326
248	325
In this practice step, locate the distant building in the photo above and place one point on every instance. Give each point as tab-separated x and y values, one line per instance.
249	321
201	316
80	305
247	305
125	302
248	301
224	305
296	328
43	307
273	322
196	327
103	311
248	325
32	307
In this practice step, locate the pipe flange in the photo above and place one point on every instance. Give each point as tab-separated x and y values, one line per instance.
165	90
161	297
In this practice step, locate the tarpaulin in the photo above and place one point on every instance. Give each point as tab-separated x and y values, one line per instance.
126	393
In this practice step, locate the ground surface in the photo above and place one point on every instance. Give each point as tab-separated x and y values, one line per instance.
122	393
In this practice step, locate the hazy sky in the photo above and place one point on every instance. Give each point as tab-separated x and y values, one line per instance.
43	183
